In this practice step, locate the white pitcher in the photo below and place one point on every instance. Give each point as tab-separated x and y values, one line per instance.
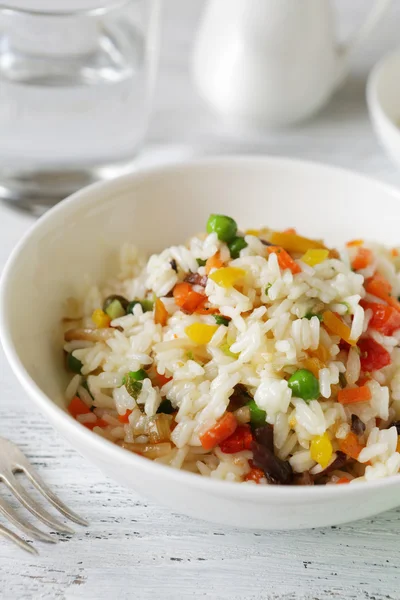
272	62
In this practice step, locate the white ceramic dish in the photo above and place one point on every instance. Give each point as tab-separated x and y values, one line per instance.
383	97
155	208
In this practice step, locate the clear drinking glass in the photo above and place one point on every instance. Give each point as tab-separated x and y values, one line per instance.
75	93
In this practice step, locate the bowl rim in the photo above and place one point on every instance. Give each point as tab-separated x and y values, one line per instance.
374	105
65	422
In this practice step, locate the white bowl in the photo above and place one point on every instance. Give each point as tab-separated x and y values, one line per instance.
383	98
155	208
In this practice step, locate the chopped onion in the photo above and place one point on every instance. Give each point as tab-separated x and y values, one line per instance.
148	450
90	335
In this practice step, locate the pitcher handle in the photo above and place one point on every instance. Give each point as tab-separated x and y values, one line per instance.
360	35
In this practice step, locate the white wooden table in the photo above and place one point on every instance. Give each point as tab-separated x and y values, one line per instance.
132	548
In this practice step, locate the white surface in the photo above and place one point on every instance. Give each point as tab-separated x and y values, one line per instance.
273	63
60	6
134	548
49	265
383	91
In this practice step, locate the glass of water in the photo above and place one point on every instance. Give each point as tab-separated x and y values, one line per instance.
75	94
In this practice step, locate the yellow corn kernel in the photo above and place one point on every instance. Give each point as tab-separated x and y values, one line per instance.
321	352
200	333
314	365
293	242
321	450
100	318
314	257
255	232
227	276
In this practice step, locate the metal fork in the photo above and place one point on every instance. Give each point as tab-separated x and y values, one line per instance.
12	461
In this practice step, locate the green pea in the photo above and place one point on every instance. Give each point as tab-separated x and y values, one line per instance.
220	320
224	227
236	245
201	262
304	385
166	407
74	364
257	415
115	310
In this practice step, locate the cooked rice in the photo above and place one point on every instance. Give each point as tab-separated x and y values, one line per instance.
273	326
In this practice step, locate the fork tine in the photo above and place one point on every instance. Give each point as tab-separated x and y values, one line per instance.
30	504
44	489
17	540
23	525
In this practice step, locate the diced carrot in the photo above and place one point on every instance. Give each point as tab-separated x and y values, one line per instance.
222	429
186	298
77	407
343	480
336	326
290	231
350	445
255	474
98	423
285	261
160	313
378	286
394	252
362	259
205	310
354	243
181	292
124	418
214	262
352	395
192	302
162	379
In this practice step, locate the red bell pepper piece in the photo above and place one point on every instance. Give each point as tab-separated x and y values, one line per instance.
373	356
385	319
239	440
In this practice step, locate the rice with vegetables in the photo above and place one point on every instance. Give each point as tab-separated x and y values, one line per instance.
261	357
